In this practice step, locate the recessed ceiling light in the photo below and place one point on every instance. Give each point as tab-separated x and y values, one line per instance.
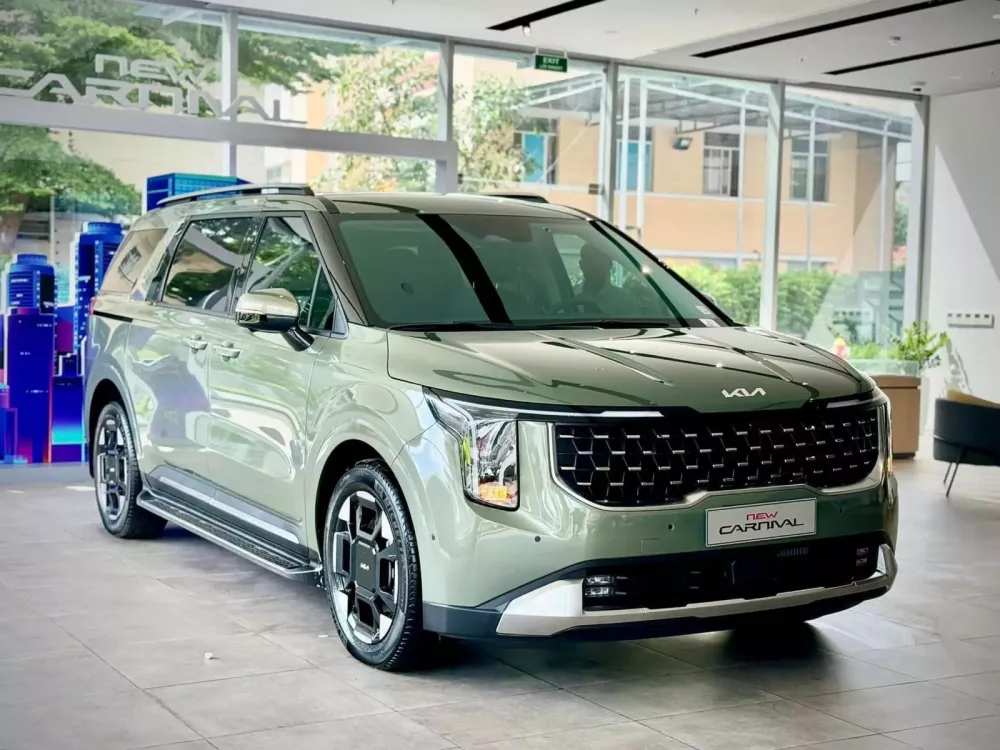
996	16
526	29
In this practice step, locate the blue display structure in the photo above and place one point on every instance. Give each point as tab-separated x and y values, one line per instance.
41	398
178	183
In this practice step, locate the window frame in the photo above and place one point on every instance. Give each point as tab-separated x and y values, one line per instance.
175	243
340	324
732	170
794	156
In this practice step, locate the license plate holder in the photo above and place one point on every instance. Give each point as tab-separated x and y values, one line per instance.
742	524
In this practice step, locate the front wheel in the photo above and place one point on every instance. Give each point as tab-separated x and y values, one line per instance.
371	570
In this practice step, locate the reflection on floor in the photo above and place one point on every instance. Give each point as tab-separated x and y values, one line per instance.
103	645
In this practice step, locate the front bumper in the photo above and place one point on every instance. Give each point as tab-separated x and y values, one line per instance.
556	609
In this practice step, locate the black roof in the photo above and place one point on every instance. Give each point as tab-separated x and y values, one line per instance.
447	203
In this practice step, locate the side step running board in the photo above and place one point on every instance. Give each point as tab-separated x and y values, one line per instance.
235	540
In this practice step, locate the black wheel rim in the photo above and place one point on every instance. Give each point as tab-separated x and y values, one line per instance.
366	584
111	469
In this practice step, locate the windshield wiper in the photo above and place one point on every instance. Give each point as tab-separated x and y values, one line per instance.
463	326
611	323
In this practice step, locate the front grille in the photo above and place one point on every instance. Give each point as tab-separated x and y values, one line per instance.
660	461
733	573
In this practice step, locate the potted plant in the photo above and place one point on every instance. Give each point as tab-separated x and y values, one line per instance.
900	371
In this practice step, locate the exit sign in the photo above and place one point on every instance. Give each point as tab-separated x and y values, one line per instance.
551	62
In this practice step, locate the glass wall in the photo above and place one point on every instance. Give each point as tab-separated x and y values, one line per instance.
845	196
690	179
327	171
66	199
521	129
131	55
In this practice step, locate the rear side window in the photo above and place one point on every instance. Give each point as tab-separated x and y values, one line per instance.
205	261
131	260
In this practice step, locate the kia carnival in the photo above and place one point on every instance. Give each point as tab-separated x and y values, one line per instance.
477	417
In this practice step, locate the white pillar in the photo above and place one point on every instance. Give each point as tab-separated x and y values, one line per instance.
810	188
608	151
230	80
772	206
623	154
741	179
446	174
640	185
917	261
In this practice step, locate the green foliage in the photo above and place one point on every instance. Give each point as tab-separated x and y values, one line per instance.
486	117
394	92
391	92
64	36
900	224
868	350
917	344
800	294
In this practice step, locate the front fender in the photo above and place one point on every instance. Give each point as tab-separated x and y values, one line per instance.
384	417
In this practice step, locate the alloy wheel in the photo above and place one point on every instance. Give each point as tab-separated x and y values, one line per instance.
112	469
366	584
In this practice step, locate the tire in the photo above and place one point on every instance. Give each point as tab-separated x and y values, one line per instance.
370	555
117	481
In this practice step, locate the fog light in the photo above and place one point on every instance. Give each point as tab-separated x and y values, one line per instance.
595	592
598	581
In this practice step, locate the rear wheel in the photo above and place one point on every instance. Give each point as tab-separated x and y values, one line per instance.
371	570
117	479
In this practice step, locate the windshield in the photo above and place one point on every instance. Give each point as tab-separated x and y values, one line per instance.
427	271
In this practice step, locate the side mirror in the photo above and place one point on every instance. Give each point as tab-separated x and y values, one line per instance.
273	310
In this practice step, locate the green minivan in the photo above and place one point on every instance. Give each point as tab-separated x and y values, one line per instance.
477	417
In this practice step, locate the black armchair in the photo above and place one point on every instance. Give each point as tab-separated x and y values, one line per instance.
966	431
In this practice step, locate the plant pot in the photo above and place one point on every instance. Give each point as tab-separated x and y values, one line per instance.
903	392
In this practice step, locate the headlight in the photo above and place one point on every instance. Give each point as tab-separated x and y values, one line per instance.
487	440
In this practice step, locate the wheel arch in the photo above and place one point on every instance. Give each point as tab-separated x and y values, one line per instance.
104	391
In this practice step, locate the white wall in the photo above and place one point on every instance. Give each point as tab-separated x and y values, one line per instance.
963	233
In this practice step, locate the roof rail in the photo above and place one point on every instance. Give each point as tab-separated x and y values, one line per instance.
532	197
221	192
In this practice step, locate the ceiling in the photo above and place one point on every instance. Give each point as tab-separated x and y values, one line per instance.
939	46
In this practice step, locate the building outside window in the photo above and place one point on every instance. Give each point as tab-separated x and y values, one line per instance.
721	170
539	142
632	161
799	189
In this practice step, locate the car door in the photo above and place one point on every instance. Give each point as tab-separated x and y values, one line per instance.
260	383
168	346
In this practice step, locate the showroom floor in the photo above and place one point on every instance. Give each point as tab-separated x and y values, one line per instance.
109	644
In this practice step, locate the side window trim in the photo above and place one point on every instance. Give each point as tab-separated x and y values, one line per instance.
340	322
172	252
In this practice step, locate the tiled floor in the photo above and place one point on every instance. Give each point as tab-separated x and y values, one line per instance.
105	645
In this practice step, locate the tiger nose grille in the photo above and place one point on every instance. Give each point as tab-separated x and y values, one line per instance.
656	462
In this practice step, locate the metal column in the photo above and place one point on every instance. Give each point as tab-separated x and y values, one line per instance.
446	174
917	261
741	179
810	188
883	200
640	184
607	164
623	154
230	75
772	206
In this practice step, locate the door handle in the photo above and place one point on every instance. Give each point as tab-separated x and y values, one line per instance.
195	342
227	351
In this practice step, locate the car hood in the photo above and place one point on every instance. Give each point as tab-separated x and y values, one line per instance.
708	369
